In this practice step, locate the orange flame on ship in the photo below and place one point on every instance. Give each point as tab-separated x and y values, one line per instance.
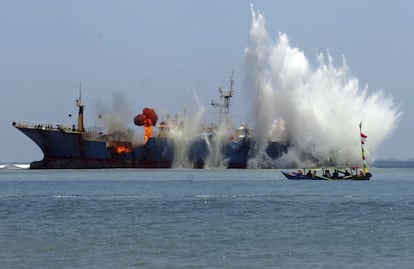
123	149
148	133
148	118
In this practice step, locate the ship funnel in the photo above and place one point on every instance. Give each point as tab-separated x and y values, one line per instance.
80	105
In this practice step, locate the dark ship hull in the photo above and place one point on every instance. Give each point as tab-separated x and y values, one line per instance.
232	153
68	149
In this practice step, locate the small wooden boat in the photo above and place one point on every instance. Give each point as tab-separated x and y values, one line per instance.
338	174
299	176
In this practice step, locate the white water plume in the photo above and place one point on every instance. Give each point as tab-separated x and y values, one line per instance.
317	109
184	127
189	129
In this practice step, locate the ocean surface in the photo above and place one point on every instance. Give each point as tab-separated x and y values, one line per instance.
130	218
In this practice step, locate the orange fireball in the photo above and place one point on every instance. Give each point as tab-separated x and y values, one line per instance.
148	118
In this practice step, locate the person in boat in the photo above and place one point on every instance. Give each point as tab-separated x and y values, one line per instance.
299	173
327	173
335	174
309	173
347	173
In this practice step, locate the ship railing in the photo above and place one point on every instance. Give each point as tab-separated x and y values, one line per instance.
94	130
36	125
54	126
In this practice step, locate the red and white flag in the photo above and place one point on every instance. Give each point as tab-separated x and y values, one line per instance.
363	138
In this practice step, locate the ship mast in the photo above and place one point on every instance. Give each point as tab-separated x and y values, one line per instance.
80	105
224	104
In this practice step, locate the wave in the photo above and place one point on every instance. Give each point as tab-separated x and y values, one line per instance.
14	166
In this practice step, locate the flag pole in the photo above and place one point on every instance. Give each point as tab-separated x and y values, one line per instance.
363	139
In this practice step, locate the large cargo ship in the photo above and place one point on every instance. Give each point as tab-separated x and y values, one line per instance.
79	147
67	147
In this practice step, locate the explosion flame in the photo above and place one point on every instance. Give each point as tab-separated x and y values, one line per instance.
148	119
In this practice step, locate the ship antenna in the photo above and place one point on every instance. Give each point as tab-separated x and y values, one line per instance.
80	105
224	105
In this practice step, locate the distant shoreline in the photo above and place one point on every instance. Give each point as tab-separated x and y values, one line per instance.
393	164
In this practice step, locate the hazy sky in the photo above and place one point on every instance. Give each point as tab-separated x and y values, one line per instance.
156	53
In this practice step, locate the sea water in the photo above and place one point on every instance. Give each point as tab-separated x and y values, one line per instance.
130	218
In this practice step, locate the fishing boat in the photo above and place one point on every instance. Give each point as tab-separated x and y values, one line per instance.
69	147
338	173
300	176
351	173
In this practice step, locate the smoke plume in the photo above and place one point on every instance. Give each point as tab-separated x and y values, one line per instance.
114	117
